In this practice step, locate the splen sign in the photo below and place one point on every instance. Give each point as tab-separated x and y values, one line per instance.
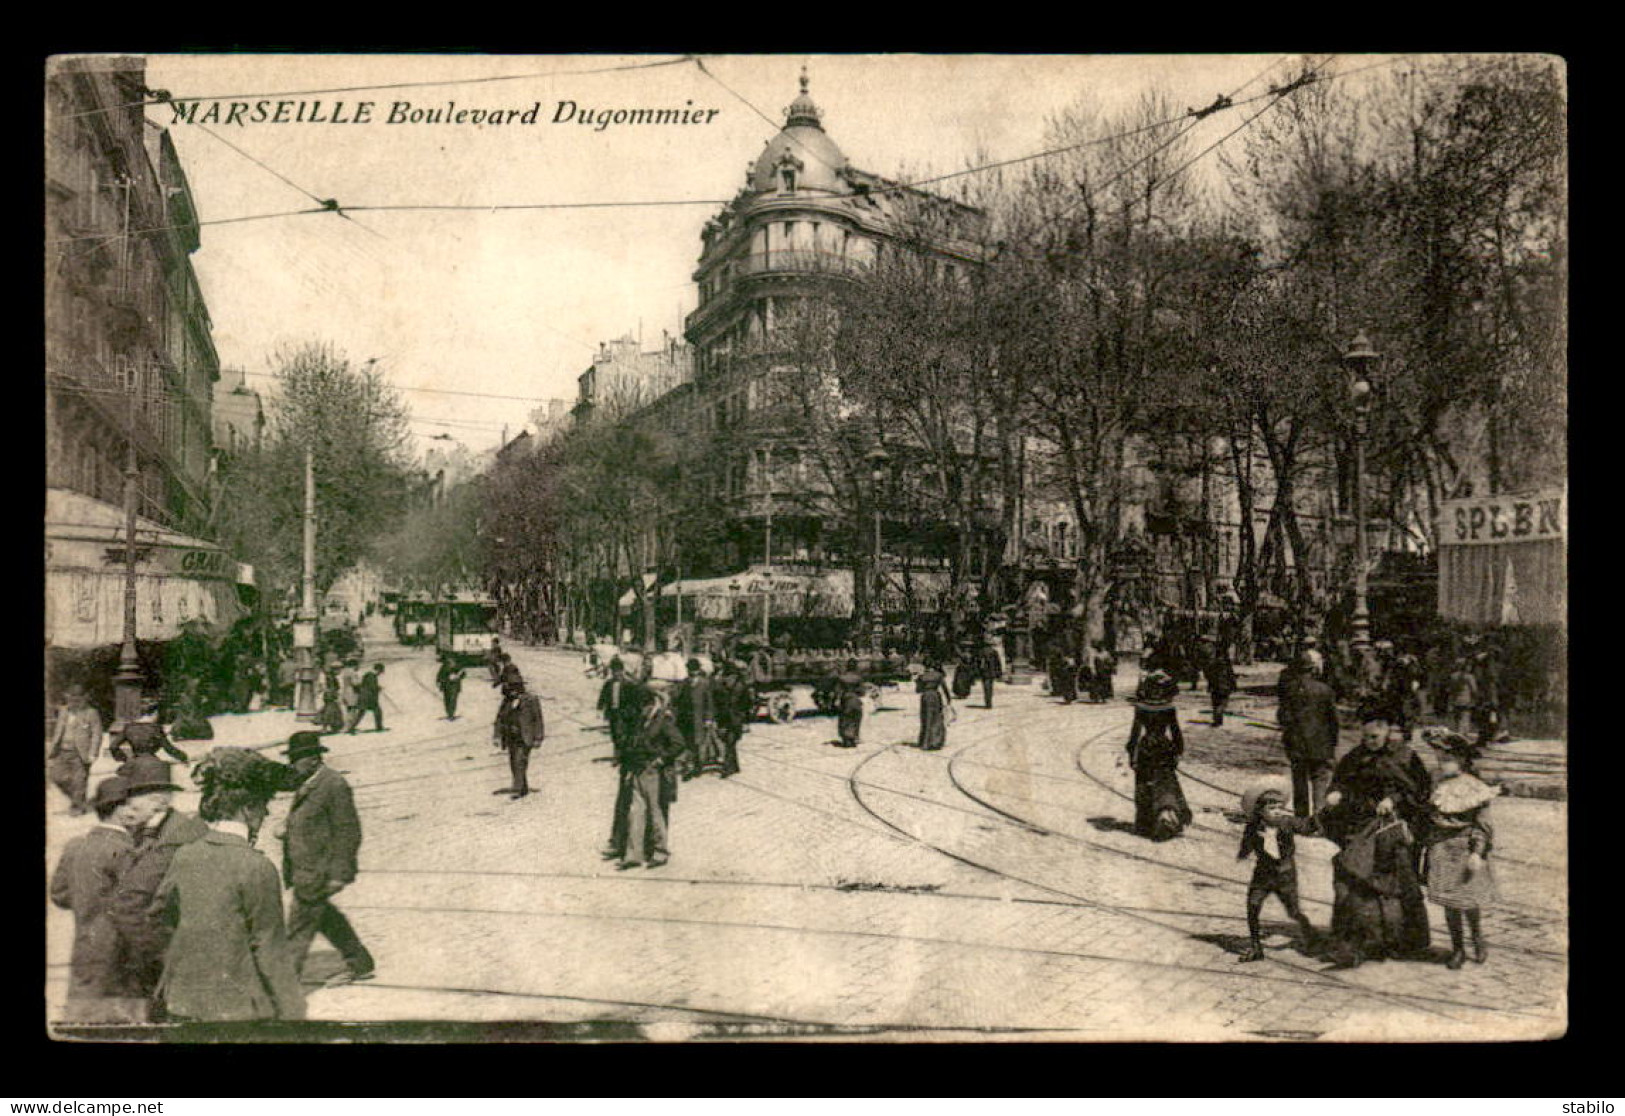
1531	517
1503	559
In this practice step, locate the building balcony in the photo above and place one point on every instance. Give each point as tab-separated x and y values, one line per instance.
798	260
787	262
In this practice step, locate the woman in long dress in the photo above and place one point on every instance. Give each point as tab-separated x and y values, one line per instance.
932	686
1155	746
1376	812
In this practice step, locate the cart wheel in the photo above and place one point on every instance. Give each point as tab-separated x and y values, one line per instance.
781	708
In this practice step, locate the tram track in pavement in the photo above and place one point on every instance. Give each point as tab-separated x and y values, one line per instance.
1510	907
1418	1001
800	930
1036	828
1413	1001
1318	978
1527	910
1522	908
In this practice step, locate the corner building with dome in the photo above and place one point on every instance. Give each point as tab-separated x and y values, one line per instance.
805	222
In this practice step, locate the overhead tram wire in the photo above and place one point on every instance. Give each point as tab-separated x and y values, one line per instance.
159	394
436	391
673	202
168	98
325	203
1192	118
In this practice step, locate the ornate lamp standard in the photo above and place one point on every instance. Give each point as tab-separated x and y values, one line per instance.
1359	358
304	626
127	682
878	459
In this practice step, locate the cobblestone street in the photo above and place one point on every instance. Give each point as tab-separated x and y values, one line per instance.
988	888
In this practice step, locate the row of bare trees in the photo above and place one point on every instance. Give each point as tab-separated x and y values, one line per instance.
1132	302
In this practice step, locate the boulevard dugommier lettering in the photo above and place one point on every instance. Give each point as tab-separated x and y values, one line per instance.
244	113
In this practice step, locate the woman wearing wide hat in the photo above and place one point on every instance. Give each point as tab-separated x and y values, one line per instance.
1155	746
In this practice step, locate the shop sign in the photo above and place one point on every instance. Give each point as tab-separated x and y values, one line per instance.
1529	517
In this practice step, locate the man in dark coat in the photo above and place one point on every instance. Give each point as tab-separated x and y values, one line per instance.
84	882
1221	678
449	680
619	700
229	957
159	832
320	841
696	719
75	741
1307	713
369	698
734	702
990	667
650	756
519	730
624	712
849	688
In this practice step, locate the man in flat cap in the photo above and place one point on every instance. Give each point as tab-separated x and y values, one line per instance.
320	840
83	883
159	831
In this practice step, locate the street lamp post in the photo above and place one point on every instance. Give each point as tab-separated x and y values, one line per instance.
304	629
767	537
127	680
877	459
1360	357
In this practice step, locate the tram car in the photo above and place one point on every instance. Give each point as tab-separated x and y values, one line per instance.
465	628
415	621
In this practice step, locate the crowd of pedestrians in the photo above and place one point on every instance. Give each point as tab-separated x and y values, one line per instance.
180	918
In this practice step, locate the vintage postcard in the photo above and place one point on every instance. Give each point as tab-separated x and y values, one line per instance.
890	547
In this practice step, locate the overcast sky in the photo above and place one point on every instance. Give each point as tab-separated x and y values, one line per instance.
515	303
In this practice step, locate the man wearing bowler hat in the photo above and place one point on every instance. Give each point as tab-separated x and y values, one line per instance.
159	831
83	883
320	840
519	730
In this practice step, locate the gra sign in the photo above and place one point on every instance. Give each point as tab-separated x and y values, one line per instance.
1526	517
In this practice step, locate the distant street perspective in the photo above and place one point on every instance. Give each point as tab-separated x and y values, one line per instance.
1103	584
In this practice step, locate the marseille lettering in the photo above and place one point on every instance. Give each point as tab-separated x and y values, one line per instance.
243	113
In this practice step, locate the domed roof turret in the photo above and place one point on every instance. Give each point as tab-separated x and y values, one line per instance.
802	156
802	112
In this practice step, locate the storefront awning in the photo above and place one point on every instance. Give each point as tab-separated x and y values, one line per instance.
178	578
